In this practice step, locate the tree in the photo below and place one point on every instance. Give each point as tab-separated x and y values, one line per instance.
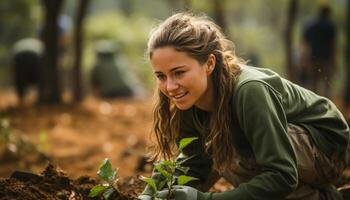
219	15
347	57
187	4
291	16
16	22
175	5
49	86
78	43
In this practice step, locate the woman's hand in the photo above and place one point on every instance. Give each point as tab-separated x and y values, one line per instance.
179	193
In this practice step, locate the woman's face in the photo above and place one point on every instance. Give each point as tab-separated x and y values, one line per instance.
183	79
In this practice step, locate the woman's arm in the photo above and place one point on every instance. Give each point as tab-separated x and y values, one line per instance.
261	116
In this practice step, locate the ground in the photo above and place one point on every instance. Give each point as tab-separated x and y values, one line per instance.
77	137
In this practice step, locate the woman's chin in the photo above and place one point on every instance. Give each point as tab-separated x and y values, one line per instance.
183	106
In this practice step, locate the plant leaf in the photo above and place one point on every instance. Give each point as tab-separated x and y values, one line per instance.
163	171
184	159
97	190
107	193
186	141
183	169
106	172
162	184
150	182
169	163
182	180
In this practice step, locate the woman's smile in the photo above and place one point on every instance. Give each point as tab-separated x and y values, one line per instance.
179	97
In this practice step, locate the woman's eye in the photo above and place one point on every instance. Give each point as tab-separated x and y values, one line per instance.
179	73
160	77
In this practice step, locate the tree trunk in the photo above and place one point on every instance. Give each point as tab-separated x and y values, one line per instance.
347	57
49	86
78	43
175	5
187	5
291	16
219	15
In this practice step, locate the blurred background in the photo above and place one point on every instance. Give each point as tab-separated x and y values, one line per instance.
75	84
258	29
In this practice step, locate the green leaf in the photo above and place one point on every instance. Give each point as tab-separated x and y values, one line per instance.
150	182
106	172
182	180
184	159
169	163
183	169
107	193
162	183
163	171
97	190
186	141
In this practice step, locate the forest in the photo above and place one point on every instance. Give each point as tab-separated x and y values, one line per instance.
62	130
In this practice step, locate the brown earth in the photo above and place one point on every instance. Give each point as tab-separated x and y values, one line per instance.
54	184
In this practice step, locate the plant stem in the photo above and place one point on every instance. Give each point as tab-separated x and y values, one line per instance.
114	186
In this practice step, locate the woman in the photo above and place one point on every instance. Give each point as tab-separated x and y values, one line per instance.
268	137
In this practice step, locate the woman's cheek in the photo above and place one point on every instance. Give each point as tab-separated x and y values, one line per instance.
162	88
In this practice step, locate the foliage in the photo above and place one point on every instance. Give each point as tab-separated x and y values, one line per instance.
110	176
5	133
254	26
19	144
18	20
167	169
43	145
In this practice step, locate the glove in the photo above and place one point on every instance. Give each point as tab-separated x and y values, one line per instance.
144	197
179	192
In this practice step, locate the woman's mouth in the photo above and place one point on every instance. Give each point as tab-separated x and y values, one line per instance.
179	96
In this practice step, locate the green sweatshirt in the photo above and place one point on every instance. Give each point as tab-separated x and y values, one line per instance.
263	104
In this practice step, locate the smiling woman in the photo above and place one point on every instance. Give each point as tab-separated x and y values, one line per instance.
183	79
270	138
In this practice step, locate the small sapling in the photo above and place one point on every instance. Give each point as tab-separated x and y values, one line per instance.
109	176
167	169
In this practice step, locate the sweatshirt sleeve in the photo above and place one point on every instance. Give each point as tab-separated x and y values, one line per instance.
260	114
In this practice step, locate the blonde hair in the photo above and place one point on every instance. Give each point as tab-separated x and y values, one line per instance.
198	37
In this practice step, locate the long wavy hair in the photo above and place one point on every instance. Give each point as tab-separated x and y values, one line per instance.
198	37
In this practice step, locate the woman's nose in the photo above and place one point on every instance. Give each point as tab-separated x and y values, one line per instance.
171	85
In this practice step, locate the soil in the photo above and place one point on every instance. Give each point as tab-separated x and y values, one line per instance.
54	184
75	138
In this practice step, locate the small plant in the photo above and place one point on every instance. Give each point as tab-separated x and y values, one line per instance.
110	176
43	145
5	132
168	167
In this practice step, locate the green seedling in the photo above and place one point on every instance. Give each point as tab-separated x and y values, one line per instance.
167	169
19	144
43	145
109	176
5	132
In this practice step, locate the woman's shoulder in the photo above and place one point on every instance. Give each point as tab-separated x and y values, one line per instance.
257	78
250	73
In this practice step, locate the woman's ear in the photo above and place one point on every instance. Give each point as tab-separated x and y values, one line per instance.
211	64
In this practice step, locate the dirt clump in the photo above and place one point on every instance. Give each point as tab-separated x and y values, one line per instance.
53	183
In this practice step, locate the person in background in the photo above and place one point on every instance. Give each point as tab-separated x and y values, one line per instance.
270	138
319	51
109	76
26	60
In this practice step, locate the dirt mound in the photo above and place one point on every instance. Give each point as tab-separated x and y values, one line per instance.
54	184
